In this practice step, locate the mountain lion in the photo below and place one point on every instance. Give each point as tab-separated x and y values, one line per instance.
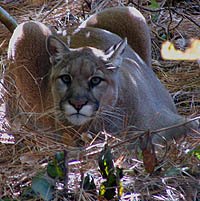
101	80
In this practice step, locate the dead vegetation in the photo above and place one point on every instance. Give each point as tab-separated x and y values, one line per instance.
177	173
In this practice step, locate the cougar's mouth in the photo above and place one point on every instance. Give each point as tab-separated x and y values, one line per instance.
78	119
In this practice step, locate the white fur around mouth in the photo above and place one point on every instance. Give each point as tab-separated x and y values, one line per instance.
80	118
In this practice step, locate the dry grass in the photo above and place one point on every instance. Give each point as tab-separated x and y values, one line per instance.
19	162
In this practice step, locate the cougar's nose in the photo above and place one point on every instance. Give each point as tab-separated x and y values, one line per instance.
77	104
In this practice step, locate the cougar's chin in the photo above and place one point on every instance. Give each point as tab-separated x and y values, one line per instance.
78	119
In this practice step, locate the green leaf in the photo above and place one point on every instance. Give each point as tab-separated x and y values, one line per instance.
105	161
88	183
28	194
154	4
196	152
59	156
42	187
51	170
112	175
172	172
112	180
107	191
120	189
108	188
102	189
55	168
119	172
164	36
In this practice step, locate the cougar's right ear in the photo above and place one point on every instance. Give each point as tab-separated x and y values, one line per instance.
114	53
56	49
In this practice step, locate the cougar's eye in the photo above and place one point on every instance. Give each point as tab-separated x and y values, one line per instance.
66	78
94	81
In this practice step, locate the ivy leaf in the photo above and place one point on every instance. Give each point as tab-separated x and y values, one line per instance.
196	152
120	189
119	172
105	161
59	156
107	190
175	171
88	183
42	187
112	185
28	194
55	168
51	170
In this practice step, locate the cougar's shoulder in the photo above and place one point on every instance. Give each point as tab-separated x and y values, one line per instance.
126	22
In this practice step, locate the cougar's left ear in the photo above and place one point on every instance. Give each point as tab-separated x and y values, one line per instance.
115	52
56	48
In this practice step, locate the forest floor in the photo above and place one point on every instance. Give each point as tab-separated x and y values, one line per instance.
177	173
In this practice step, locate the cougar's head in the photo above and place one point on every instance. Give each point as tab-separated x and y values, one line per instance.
83	80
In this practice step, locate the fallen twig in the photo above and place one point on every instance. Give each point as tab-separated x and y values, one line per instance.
7	20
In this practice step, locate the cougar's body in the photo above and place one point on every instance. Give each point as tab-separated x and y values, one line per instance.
99	83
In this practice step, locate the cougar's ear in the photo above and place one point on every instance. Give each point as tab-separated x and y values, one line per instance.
56	48
115	52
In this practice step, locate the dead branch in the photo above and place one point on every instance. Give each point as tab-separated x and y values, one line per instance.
7	20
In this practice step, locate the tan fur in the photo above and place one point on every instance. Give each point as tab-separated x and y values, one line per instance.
128	94
27	78
118	21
